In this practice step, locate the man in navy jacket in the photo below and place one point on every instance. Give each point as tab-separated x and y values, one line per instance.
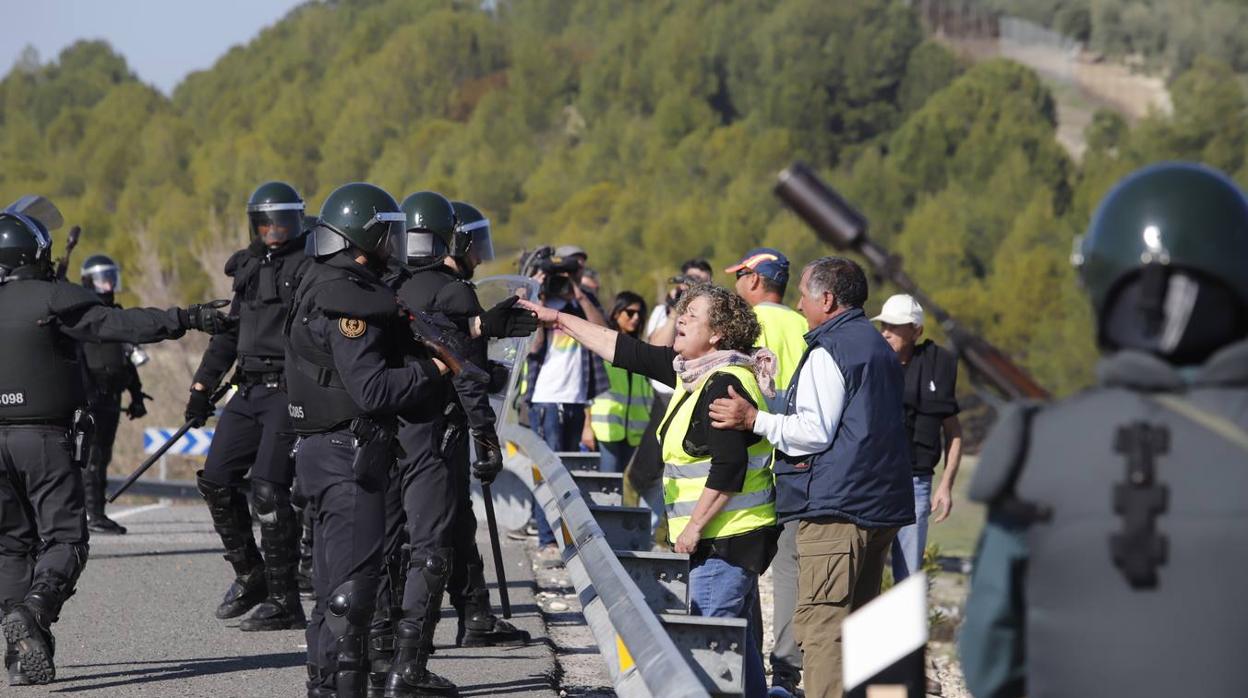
842	461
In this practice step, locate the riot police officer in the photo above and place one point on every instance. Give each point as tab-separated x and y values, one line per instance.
448	290
347	376
254	432
43	531
1117	531
430	475
109	373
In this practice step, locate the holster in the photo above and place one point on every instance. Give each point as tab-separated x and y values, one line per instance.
374	449
82	437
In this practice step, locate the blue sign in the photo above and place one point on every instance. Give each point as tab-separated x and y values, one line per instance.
194	442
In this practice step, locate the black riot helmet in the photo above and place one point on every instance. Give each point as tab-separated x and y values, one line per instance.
473	227
101	274
361	215
430	224
24	243
275	213
1165	262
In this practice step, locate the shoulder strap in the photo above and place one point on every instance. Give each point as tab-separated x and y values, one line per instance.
1215	423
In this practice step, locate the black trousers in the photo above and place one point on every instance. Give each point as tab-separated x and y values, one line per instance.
466	587
43	527
253	434
107	413
348	527
427	509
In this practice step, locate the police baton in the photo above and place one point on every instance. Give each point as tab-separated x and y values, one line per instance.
499	571
143	468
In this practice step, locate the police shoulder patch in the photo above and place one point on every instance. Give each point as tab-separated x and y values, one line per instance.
351	327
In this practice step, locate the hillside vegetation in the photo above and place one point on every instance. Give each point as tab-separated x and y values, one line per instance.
646	132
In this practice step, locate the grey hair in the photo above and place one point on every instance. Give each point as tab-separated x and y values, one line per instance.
841	277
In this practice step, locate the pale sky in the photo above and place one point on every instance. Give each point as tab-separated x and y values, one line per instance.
162	40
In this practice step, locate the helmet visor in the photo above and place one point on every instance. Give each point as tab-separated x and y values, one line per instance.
481	244
276	226
104	278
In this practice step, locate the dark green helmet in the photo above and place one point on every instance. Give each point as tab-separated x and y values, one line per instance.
275	212
24	242
101	274
475	227
1167	243
430	223
358	214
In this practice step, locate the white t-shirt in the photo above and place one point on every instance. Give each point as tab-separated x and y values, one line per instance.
657	318
561	379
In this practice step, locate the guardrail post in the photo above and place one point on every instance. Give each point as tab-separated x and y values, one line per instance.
663	579
714	647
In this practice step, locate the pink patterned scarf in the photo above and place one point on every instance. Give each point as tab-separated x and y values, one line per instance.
761	361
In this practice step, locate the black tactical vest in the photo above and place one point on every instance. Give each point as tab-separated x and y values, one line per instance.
1133	582
41	379
319	400
108	366
265	286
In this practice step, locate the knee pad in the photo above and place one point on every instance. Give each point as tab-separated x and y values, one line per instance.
272	500
436	564
350	608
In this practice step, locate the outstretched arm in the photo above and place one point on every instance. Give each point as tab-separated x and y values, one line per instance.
594	337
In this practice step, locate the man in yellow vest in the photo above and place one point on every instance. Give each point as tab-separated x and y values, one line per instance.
762	278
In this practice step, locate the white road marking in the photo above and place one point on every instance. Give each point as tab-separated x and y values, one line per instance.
125	513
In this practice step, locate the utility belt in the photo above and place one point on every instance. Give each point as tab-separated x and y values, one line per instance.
269	379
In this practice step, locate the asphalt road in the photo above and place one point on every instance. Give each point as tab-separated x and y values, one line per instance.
141	624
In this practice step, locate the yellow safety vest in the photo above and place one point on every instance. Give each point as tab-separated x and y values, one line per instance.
784	333
684	476
624	410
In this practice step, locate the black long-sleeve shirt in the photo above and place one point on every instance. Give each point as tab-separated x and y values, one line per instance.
728	448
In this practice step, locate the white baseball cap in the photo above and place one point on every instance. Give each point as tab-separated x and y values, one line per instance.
901	309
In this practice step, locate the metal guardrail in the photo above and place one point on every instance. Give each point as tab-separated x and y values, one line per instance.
641	656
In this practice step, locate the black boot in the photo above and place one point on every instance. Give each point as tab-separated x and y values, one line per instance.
93	481
279	534
410	676
28	634
12	665
232	520
484	629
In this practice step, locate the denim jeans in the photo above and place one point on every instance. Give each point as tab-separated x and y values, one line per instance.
718	588
911	540
614	456
560	427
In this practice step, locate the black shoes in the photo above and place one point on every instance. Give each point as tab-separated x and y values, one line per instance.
31	645
244	594
99	523
274	614
488	630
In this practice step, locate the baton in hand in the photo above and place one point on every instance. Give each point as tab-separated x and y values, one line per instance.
138	473
501	572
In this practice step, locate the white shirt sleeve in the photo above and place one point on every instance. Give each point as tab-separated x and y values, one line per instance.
817	409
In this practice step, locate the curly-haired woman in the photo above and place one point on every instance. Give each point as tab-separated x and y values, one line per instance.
717	483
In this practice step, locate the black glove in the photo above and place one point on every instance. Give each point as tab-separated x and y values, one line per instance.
500	376
506	320
206	318
199	408
136	409
489	462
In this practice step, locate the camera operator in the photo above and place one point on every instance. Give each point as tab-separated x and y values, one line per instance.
563	377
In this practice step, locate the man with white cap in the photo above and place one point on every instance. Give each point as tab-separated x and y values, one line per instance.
931	408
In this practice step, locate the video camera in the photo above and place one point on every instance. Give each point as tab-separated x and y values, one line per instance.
558	270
